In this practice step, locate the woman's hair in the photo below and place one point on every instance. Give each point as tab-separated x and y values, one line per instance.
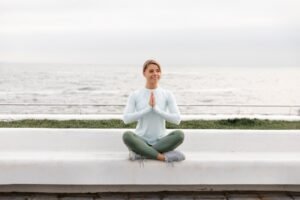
150	61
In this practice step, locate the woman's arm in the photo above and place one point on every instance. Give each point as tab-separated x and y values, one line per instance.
129	114
174	115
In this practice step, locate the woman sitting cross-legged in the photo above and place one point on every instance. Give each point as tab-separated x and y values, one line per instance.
148	106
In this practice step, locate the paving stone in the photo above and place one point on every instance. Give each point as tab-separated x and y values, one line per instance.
43	197
245	196
204	195
274	196
209	197
145	195
177	197
4	197
295	195
147	198
111	196
15	196
76	198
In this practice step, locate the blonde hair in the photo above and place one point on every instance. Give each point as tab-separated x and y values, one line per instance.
150	61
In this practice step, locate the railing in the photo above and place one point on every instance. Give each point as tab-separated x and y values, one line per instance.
291	109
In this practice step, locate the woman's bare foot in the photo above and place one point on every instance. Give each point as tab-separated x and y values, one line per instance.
161	157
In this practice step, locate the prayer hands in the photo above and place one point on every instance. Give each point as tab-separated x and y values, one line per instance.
152	100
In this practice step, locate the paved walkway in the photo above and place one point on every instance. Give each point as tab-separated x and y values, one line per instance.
156	196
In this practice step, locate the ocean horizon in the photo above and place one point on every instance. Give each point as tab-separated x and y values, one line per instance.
93	85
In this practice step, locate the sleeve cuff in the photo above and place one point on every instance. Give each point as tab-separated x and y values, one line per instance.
156	108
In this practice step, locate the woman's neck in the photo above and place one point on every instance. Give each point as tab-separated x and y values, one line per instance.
149	86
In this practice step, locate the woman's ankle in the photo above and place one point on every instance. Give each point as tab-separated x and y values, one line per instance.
161	157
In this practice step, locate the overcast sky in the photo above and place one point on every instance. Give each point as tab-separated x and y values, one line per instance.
192	32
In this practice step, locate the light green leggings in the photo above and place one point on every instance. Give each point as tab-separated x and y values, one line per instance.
138	145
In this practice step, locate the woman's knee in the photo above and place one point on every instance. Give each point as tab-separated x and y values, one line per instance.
127	136
180	135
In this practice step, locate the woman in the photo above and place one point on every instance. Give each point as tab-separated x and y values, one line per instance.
148	106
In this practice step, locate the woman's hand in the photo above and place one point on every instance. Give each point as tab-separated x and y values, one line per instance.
152	100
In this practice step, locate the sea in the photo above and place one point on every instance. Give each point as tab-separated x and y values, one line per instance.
104	88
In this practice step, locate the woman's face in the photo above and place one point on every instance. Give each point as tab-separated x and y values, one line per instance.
152	73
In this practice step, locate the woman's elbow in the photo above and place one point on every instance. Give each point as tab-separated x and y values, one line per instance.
178	120
125	120
128	119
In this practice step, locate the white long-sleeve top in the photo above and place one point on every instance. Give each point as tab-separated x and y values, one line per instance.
151	120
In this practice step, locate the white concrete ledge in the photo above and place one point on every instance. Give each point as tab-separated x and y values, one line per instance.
13	117
86	157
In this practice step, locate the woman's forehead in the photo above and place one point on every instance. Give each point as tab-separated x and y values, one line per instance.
152	66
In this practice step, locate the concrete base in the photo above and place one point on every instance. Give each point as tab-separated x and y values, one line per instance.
143	188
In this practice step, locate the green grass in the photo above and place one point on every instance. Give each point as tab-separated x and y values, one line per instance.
242	123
